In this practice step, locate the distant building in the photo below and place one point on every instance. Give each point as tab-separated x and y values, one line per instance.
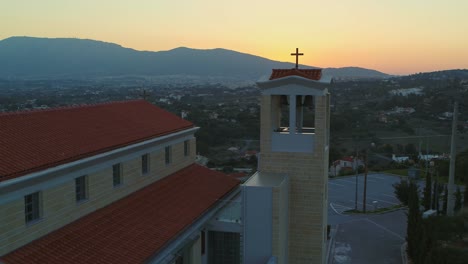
401	110
408	91
233	149
345	164
183	114
202	160
446	116
432	156
383	118
400	159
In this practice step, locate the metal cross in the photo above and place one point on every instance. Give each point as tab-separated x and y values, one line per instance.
145	94
297	54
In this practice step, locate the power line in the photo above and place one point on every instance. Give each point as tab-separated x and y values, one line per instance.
405	137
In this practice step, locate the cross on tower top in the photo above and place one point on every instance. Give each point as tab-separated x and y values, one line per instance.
297	54
144	94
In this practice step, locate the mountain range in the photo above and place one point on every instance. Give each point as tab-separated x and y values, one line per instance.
29	57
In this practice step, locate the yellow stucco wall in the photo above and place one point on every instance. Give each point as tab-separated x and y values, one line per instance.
58	204
308	176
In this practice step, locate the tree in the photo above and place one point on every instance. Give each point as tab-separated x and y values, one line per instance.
410	149
387	149
400	149
334	154
465	199
442	167
435	196
414	231
427	193
444	206
458	200
461	166
401	191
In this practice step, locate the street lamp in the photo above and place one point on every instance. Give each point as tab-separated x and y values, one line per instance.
356	167
435	194
366	169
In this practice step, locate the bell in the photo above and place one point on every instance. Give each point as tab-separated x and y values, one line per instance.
284	100
308	101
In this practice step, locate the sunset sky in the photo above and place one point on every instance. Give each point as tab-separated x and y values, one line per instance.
393	36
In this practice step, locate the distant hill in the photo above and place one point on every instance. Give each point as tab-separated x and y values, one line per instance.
28	57
439	75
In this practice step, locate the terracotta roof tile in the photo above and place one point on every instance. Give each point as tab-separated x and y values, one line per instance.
132	229
35	140
312	74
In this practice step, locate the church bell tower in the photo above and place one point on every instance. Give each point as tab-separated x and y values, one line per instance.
294	141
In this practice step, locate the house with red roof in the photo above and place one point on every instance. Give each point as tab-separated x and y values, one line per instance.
108	183
344	164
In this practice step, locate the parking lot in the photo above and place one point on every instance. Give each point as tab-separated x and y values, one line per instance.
380	192
365	238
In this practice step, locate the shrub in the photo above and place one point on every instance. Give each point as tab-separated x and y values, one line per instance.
401	191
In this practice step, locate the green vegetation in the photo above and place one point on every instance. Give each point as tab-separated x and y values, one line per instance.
436	239
427	193
458	200
414	232
379	210
401	172
402	191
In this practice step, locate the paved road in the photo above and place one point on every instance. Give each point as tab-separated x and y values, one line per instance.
370	238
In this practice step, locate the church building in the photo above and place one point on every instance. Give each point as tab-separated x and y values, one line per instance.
106	183
117	183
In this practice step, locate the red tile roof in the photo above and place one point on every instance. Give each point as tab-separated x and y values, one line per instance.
36	140
132	229
312	74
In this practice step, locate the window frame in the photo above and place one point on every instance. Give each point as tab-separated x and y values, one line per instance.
168	155
145	164
117	179
81	189
186	148
36	208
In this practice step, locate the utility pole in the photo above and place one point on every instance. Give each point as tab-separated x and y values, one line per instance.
366	161
453	154
356	168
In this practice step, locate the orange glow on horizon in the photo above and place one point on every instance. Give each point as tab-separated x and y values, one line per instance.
397	37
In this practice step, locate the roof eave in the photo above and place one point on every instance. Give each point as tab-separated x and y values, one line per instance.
30	180
166	254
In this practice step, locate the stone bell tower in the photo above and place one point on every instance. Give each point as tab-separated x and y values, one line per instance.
294	141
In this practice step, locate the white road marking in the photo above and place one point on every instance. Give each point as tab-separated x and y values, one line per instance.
338	208
360	202
345	180
373	198
342	253
384	228
337	184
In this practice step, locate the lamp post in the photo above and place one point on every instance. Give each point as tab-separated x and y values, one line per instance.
366	169
356	168
365	182
434	194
